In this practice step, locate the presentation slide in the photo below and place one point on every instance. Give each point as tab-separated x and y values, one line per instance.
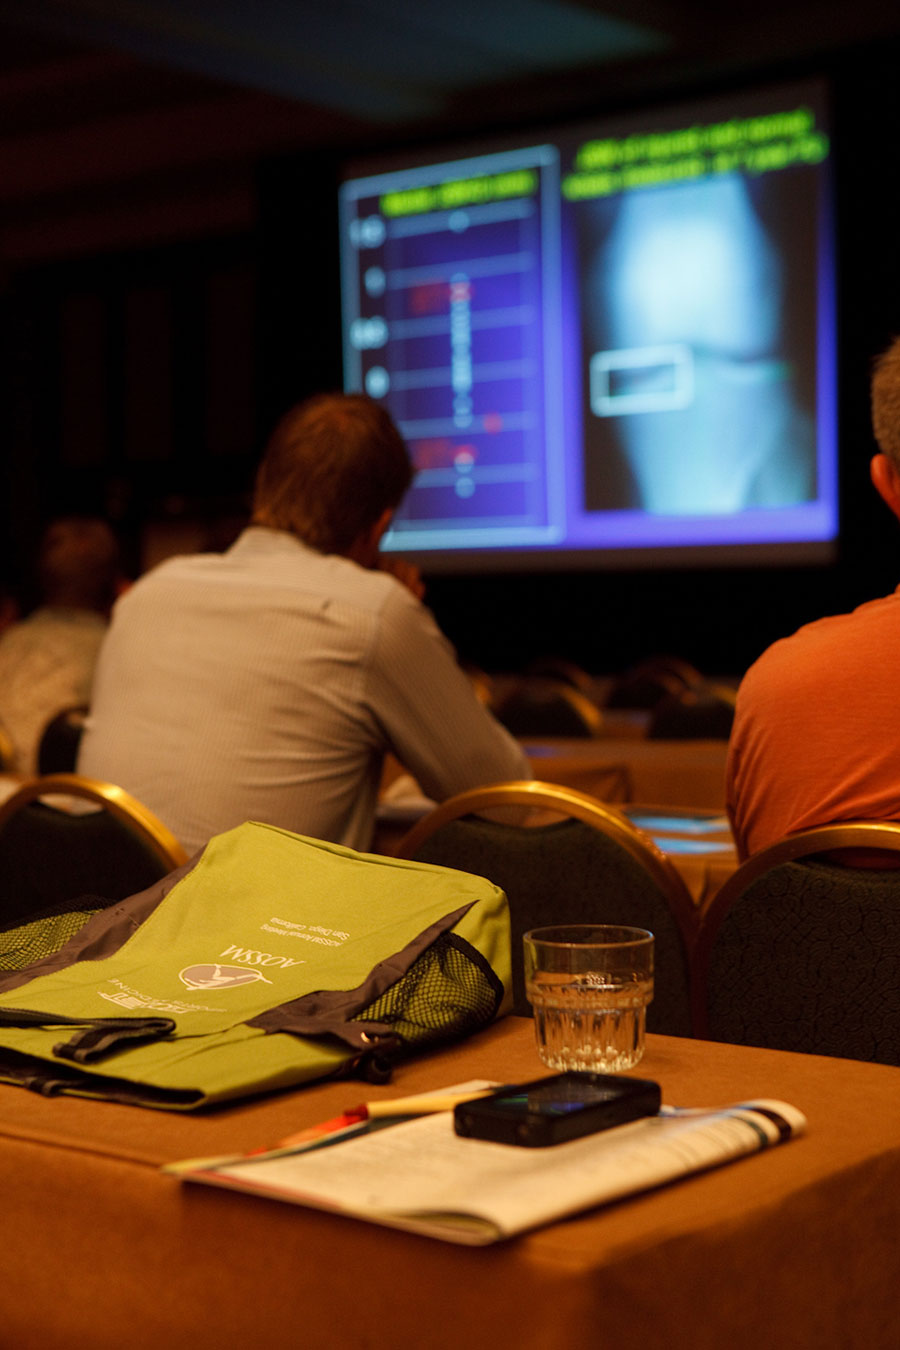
610	345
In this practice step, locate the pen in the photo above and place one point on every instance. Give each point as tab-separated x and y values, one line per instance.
424	1104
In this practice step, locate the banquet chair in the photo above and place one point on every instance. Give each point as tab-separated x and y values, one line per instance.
568	672
705	713
544	706
591	866
7	751
650	681
60	739
52	854
800	949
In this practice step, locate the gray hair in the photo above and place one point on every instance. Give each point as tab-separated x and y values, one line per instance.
886	402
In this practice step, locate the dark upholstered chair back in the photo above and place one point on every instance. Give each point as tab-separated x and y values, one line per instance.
803	952
542	706
596	869
60	739
692	715
50	856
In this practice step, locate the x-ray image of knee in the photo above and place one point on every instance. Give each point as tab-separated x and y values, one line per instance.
689	377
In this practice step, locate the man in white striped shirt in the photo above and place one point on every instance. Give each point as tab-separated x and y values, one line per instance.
267	683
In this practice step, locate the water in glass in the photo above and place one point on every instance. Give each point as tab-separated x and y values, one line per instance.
591	1022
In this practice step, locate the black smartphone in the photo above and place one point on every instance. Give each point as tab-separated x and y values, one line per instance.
552	1110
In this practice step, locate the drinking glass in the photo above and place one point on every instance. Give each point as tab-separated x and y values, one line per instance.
589	986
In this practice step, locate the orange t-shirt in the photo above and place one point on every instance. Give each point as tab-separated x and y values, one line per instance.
816	735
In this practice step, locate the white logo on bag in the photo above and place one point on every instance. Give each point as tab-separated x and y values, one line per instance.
212	976
248	956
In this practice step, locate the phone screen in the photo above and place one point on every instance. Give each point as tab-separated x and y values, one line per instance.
558	1096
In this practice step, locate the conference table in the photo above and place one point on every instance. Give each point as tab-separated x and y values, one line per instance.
688	773
699	843
792	1247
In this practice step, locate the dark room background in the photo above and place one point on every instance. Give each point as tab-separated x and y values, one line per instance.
140	379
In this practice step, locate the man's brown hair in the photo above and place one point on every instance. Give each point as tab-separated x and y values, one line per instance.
333	465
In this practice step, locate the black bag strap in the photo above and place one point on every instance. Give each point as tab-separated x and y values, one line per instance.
96	1037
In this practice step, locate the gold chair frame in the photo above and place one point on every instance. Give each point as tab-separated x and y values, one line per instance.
7	750
584	708
569	802
119	803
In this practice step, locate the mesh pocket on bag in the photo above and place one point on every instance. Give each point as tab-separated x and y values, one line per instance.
32	941
449	991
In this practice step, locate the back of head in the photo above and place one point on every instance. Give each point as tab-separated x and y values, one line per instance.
333	465
79	564
886	403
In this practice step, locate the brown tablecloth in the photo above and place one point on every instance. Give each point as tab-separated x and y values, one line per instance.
681	773
792	1248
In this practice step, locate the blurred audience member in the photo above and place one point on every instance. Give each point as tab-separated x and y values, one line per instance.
47	659
9	606
816	736
268	683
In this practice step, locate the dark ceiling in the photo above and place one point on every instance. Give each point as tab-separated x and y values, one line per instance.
121	122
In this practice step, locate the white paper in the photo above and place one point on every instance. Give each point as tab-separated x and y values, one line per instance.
422	1175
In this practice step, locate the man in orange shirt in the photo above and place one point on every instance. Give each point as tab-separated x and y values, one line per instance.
816	735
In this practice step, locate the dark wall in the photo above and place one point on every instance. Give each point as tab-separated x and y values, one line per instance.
130	389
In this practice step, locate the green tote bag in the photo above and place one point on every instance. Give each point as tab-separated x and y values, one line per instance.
268	961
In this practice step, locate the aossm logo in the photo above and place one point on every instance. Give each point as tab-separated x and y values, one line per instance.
212	976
